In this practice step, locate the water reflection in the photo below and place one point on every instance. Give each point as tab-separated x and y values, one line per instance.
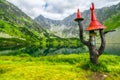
111	48
52	50
43	51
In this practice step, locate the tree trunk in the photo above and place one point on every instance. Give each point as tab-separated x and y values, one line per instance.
91	44
92	48
94	56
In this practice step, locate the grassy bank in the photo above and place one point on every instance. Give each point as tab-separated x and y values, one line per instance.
59	67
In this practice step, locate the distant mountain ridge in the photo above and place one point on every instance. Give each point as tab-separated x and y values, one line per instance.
68	25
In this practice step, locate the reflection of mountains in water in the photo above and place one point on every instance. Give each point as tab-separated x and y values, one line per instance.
44	51
39	51
111	48
113	42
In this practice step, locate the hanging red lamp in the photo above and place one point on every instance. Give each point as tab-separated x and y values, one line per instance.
94	24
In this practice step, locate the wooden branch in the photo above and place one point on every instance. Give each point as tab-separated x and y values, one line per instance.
103	42
109	31
81	34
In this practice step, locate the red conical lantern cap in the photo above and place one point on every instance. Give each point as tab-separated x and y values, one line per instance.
78	17
94	24
78	14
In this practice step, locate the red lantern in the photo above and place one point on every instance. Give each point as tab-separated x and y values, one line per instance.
78	14
78	17
94	24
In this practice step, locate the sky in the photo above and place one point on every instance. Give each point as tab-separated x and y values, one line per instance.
58	9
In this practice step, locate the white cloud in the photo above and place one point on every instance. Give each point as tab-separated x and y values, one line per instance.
57	9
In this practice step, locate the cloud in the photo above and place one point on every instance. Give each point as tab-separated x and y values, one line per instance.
57	9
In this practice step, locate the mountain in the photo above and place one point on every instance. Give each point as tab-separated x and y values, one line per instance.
46	22
69	28
19	30
16	24
58	27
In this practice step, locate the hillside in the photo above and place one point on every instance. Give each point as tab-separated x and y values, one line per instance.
113	22
16	24
17	29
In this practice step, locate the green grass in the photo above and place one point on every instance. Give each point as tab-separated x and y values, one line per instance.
59	67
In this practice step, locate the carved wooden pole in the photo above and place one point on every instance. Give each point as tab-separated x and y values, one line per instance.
91	44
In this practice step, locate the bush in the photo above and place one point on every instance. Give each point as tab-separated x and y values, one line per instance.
24	55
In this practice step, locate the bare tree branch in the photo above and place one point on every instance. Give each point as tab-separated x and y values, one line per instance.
81	34
109	31
103	42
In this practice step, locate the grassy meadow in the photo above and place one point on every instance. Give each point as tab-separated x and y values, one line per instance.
59	67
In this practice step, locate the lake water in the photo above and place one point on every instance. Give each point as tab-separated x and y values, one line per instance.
113	48
43	51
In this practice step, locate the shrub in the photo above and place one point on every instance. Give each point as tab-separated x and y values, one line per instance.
24	55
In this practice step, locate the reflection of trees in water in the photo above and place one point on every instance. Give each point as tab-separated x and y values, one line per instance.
41	51
112	48
13	47
61	50
50	50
